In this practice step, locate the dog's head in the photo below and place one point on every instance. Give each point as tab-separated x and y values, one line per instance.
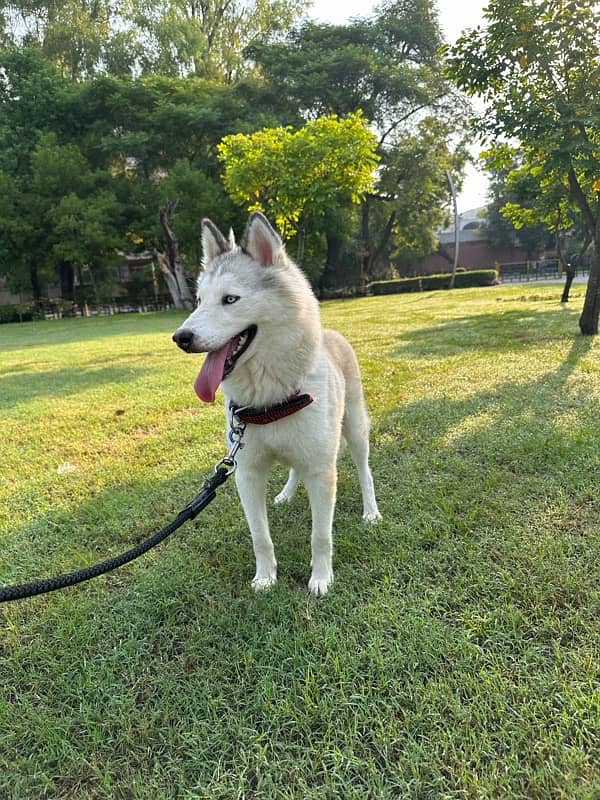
235	296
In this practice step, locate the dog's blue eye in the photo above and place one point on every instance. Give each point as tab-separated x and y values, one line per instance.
230	299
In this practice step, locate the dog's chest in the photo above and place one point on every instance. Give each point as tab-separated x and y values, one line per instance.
285	440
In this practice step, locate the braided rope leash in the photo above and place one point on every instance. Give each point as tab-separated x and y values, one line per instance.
207	494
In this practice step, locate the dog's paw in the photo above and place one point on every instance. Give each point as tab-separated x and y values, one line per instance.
372	516
318	585
262	582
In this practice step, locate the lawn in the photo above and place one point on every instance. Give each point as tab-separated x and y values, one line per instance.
457	655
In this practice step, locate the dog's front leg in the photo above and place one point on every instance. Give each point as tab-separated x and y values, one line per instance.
321	488
252	489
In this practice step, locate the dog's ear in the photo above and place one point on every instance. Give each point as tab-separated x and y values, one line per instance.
213	242
261	241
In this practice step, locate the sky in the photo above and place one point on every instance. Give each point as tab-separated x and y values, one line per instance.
454	18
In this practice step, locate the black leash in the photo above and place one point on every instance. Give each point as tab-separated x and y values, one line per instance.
239	418
22	590
223	470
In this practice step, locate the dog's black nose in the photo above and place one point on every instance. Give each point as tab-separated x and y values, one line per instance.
183	338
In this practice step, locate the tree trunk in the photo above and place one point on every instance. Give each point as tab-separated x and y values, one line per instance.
170	263
329	277
365	236
36	288
301	243
588	321
571	268
66	275
377	254
94	286
445	253
173	288
570	274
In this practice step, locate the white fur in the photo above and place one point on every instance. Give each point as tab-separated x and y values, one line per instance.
290	352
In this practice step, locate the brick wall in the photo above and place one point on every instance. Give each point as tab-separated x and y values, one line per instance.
471	255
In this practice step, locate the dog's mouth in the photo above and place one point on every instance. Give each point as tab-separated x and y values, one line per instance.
220	363
240	343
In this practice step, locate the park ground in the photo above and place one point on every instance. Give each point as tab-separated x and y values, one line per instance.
457	653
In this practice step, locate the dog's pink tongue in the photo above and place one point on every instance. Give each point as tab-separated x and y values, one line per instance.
211	374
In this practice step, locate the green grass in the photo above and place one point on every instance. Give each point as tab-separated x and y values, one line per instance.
457	655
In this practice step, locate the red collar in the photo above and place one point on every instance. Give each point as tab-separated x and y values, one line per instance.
265	415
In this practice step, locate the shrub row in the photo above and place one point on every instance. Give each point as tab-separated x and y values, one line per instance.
427	283
343	293
16	313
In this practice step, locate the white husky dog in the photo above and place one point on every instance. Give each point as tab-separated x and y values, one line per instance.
258	321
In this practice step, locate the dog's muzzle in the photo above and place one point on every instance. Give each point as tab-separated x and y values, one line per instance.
183	338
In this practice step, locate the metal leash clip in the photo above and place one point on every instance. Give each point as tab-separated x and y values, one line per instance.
234	438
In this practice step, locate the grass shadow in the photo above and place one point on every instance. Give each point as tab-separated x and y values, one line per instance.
19	388
33	335
504	331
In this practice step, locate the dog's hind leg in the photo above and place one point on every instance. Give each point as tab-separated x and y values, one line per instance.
289	490
252	489
356	432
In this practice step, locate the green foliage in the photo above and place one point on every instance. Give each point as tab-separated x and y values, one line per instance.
60	211
16	313
87	228
199	196
208	39
388	67
413	187
536	66
172	38
295	176
516	209
107	111
426	283
158	137
84	168
531	61
384	66
33	99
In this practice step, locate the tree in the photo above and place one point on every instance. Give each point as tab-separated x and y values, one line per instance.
511	189
81	37
198	195
35	170
388	67
176	38
296	176
87	236
207	38
158	136
97	159
536	66
401	219
535	204
169	261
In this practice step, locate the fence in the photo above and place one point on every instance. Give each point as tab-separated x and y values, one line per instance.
542	270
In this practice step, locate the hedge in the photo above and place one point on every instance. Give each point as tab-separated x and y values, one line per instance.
427	283
16	313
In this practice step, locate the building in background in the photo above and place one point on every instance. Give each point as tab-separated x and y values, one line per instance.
475	250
